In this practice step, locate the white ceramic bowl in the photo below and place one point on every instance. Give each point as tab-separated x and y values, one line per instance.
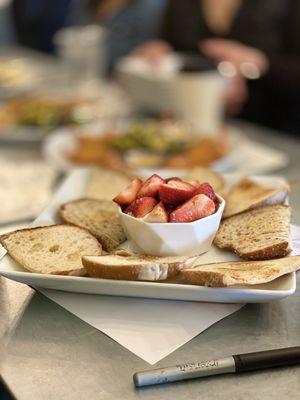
173	239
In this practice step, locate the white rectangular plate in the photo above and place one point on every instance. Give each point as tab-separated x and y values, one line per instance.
74	187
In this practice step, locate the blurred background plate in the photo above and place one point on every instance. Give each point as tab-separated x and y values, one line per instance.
62	142
245	156
23	135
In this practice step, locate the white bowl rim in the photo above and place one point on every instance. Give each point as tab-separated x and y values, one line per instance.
140	220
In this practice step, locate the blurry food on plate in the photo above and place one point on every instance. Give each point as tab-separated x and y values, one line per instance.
162	138
41	111
150	145
94	150
13	72
50	110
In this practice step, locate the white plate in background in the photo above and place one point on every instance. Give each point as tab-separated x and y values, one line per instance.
62	141
246	157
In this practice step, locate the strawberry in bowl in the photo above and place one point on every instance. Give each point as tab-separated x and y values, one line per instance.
165	217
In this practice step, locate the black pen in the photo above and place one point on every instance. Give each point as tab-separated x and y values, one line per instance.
232	364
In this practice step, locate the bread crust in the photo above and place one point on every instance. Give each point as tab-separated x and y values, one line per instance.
240	273
134	272
7	235
276	250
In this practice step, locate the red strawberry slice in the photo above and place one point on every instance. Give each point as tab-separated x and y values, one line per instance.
141	207
128	195
175	192
177	182
197	207
158	214
151	187
205	188
174	178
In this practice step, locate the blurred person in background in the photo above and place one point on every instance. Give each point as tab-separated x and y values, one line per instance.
129	22
6	26
36	22
262	35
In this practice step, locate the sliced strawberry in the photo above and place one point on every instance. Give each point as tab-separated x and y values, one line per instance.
174	178
151	187
177	182
140	207
175	192
158	214
128	195
197	207
205	188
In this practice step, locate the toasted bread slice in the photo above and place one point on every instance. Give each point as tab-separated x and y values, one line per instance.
203	174
258	234
100	217
135	268
105	183
250	194
54	249
240	273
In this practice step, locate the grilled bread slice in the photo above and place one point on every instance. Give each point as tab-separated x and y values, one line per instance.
203	174
258	234
240	273
249	194
106	183
135	267
100	217
54	249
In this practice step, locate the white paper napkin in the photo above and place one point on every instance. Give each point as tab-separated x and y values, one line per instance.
151	329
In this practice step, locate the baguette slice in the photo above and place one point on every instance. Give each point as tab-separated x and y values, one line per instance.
240	273
136	268
54	249
100	217
258	234
203	174
250	194
106	183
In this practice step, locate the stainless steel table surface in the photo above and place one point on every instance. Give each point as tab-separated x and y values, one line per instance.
47	353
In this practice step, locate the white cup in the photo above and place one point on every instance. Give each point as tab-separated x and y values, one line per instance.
198	98
82	49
